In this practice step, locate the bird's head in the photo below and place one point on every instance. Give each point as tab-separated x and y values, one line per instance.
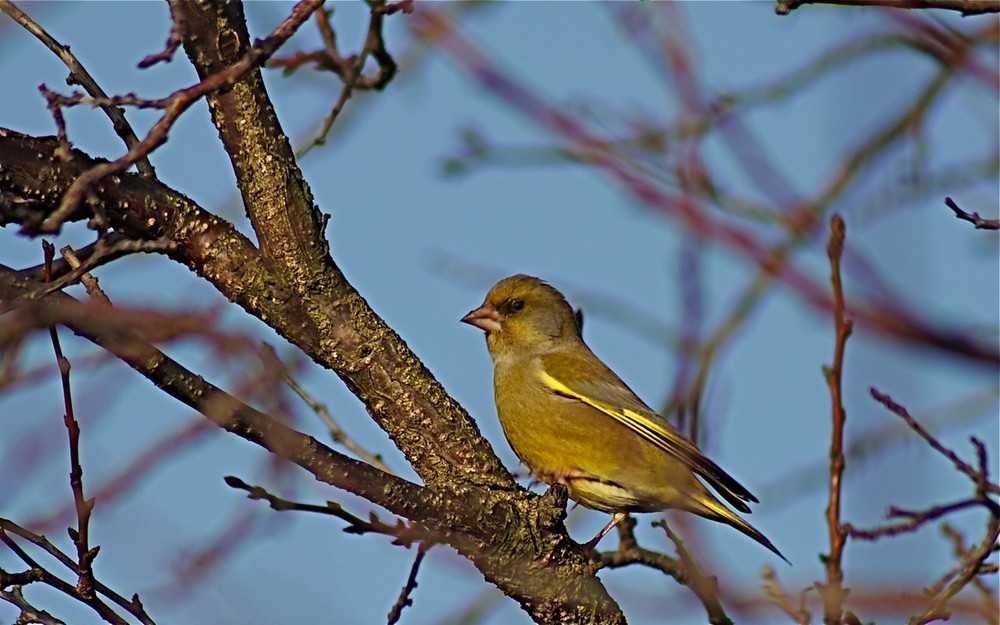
522	314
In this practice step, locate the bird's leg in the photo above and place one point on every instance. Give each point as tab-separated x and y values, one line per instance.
618	516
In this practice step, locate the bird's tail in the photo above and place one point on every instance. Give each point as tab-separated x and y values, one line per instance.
711	508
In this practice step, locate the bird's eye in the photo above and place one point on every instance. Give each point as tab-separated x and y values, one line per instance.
513	305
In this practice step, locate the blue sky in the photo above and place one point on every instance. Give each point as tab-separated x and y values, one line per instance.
423	247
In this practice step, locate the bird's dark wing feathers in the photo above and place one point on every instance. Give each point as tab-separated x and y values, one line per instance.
583	377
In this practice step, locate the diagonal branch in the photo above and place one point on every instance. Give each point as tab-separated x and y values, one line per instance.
173	106
80	75
328	320
288	225
505	533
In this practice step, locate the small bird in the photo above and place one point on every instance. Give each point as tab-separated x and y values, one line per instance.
572	421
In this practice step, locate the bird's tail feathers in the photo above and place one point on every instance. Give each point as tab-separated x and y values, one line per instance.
711	508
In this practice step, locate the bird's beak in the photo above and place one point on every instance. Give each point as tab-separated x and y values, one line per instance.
485	318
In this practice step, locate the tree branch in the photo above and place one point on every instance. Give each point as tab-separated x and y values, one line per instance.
981	223
80	76
327	318
965	7
278	202
833	591
506	533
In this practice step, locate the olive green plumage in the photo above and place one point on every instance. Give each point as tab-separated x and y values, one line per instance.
572	421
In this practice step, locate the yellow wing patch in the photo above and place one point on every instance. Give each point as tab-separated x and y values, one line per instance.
660	435
634	421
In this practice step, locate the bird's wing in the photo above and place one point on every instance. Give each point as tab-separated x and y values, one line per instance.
580	375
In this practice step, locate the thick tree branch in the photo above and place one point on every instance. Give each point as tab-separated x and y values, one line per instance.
327	319
471	490
343	333
277	200
513	537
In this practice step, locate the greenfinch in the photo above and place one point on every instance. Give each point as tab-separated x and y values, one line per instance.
572	421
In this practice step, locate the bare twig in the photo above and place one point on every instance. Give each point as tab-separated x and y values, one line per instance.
683	569
336	432
971	562
403	533
405	6
964	467
39	573
80	76
173	42
404	599
173	106
29	613
704	586
349	69
101	254
833	592
965	7
970	568
981	223
62	267
84	554
915	519
774	590
985	489
985	590
89	282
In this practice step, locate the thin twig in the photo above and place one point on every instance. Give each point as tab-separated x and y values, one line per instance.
832	592
173	43
403	533
773	590
29	613
915	519
89	281
965	7
336	432
350	69
62	267
981	223
101	254
903	413
80	76
970	569
173	106
971	562
81	535
963	553
706	587
683	569
404	599
43	575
